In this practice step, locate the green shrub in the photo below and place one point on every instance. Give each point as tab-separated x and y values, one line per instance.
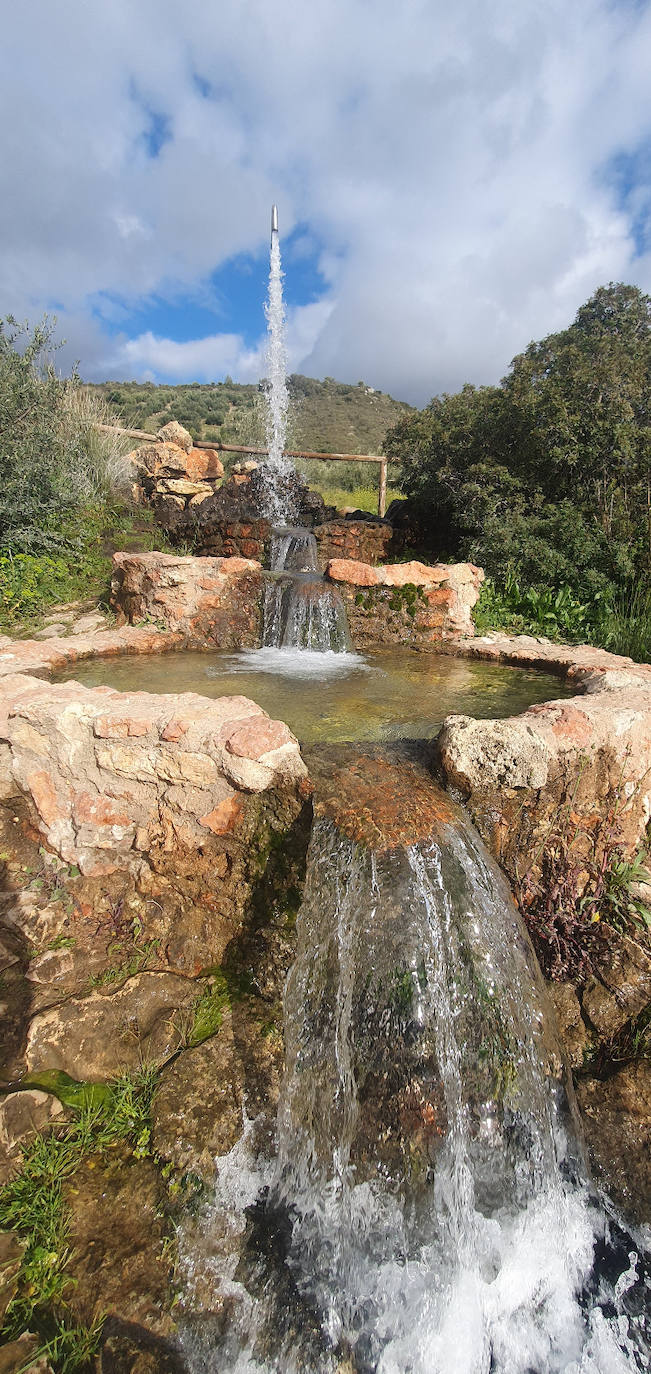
53	458
619	622
548	473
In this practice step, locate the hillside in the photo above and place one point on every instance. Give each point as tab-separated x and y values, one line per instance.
327	416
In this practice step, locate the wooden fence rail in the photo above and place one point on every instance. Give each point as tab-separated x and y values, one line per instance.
288	453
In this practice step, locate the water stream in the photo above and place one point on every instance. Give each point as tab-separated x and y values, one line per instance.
301	609
428	1206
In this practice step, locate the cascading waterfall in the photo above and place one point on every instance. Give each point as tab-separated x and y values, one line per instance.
428	1186
301	610
278	469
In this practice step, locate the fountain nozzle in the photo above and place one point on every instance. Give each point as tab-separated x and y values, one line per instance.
274	219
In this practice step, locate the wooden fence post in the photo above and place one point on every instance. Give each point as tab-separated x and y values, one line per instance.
382	495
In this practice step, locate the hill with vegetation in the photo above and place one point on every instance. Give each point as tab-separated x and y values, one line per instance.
328	416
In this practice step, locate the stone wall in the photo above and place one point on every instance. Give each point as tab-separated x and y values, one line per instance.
364	541
237	539
407	603
207	600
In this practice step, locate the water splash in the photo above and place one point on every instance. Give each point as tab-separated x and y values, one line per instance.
293	549
277	469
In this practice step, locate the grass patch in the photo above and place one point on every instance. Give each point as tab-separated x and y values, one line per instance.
209	1009
129	966
33	1205
359	498
79	565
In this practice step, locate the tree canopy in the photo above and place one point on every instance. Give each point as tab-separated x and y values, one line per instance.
550	472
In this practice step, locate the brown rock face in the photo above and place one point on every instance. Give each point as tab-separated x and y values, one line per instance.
197	1112
208	600
118	1261
617	1124
102	1035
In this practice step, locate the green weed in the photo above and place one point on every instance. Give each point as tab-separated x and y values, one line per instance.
209	1010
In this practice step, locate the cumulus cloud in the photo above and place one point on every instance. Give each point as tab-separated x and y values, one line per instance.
457	166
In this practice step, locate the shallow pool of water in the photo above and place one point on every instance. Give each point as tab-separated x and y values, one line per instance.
387	694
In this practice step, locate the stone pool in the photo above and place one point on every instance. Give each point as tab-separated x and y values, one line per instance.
386	694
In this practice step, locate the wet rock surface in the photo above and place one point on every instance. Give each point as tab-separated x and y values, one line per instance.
617	1124
120	1263
197	1110
379	802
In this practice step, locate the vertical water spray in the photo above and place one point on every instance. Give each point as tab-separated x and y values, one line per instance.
278	469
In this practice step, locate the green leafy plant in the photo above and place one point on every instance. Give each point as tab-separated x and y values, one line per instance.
209	1009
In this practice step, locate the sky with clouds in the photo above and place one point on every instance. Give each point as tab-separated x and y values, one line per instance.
452	180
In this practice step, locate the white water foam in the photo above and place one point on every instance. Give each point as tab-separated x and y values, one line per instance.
295	662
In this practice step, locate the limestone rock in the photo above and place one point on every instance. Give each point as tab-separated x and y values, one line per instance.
356	574
109	775
87	624
571	1027
174	433
182	486
97	1037
197	1110
623	968
23	1114
19	1356
492	753
204	465
210	600
51	631
617	1124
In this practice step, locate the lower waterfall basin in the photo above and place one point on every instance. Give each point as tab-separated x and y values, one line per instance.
387	694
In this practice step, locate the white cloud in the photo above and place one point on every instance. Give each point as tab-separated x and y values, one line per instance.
450	161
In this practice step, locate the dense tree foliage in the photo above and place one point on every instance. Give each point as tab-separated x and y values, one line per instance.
548	474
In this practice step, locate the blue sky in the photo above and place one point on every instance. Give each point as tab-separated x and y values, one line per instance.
232	297
452	181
